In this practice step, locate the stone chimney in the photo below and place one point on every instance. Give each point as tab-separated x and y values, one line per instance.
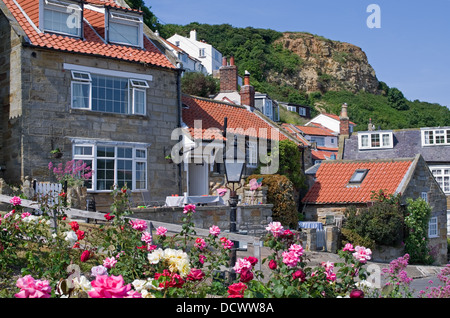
344	127
370	126
247	92
228	76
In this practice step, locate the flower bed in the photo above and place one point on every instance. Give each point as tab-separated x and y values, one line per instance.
123	259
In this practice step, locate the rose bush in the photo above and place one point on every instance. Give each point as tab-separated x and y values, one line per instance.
124	258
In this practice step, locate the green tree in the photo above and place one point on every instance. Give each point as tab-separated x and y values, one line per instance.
199	84
149	18
396	99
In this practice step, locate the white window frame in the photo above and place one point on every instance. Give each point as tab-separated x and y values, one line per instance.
430	136
433	230
202	52
82	76
66	7
382	144
291	108
135	159
129	20
441	177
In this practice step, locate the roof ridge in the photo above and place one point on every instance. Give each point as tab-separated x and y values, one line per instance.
381	160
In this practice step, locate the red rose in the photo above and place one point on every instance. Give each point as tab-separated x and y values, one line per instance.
108	216
246	276
252	260
356	293
236	290
299	275
80	235
74	225
85	256
195	274
272	264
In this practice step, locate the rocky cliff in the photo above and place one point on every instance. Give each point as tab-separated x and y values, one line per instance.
326	65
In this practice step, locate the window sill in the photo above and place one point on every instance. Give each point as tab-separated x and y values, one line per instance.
99	113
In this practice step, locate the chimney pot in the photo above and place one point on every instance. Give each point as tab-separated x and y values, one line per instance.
224	61
232	60
247	78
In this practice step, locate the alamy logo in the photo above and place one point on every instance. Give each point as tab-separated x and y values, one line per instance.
74	19
374	19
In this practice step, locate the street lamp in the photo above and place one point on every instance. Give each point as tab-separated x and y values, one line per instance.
234	161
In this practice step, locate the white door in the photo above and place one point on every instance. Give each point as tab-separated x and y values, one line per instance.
198	179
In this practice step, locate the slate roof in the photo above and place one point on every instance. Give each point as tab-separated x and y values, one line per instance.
407	143
333	176
212	113
26	12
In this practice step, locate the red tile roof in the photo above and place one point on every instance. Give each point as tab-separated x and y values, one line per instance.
212	113
27	15
332	180
322	154
316	130
294	132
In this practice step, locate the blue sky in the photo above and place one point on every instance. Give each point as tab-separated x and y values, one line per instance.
410	50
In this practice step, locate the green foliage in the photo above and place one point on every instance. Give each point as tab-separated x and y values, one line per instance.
280	193
351	236
149	18
381	222
199	84
416	220
254	50
290	163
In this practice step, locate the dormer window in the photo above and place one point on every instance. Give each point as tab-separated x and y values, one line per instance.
125	28
62	17
438	136
375	140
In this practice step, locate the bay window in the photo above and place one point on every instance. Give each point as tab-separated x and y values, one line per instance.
113	165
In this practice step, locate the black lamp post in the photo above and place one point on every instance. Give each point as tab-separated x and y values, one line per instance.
234	166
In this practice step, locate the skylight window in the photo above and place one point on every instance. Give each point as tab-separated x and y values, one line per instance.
358	176
125	29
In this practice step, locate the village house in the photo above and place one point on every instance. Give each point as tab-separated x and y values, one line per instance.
91	79
332	122
433	143
340	184
208	55
303	110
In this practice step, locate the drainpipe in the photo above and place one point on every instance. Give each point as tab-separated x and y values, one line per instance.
179	114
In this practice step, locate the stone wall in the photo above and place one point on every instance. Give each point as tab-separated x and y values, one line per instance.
41	117
250	218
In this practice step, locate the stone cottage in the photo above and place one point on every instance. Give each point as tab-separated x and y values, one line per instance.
342	183
90	79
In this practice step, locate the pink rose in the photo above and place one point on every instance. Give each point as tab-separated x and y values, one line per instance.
214	230
276	228
241	265
252	260
15	201
200	243
161	231
348	247
25	214
146	237
109	287
109	262
139	225
32	288
297	249
189	208
290	258
362	254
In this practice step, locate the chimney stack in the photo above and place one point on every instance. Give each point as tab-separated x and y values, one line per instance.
193	35
228	76
344	127
247	91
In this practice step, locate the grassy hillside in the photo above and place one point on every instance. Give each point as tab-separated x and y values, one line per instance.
254	50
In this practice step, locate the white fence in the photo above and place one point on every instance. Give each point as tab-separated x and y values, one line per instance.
48	191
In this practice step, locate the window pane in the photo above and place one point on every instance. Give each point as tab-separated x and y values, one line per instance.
57	21
140	153
83	150
139	101
386	140
141	175
125	173
80	94
105	174
429	138
375	140
124	33
105	151
125	152
109	94
364	141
